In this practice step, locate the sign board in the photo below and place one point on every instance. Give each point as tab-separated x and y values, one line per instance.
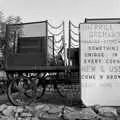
102	20
33	29
100	64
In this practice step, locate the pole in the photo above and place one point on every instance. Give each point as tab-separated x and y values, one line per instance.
64	45
80	63
69	40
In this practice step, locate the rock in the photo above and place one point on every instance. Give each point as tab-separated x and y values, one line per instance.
38	107
86	113
19	118
23	118
6	118
105	111
43	107
54	109
56	112
53	113
29	109
25	114
48	116
68	109
72	116
39	114
2	117
35	118
3	107
19	110
9	111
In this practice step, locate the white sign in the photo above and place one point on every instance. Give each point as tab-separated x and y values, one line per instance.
100	64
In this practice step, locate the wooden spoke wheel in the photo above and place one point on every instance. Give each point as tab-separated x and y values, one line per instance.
17	91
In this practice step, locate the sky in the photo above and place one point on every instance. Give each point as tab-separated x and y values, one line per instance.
60	10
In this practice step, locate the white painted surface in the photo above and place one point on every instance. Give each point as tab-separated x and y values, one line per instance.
104	86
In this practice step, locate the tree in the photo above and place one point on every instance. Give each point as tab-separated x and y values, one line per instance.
1	17
3	22
13	20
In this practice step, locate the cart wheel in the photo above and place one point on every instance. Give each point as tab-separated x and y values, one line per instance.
65	86
40	89
40	92
16	93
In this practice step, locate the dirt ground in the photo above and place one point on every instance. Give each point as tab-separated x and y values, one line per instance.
51	97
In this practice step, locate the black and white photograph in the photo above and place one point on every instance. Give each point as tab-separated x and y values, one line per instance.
59	60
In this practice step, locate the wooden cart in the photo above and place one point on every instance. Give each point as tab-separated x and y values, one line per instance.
31	62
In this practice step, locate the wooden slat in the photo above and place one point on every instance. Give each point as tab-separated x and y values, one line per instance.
41	68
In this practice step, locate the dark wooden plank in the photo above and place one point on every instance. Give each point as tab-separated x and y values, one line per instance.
41	68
